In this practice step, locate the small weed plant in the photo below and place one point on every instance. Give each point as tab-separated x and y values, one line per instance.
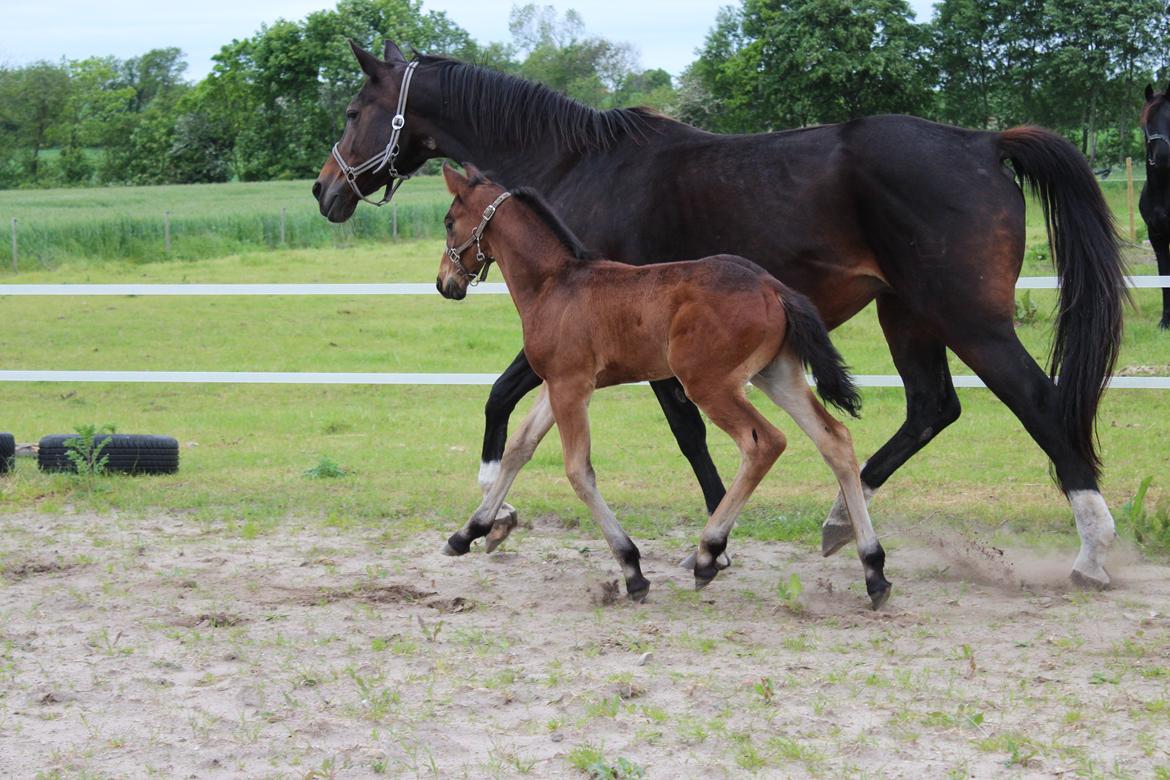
1151	530
326	468
87	451
790	592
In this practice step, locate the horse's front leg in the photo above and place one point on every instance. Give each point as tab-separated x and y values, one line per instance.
487	520
570	404
517	381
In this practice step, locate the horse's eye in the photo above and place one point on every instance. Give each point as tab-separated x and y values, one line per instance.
351	114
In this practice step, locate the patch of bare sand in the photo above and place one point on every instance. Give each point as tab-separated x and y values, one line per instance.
314	652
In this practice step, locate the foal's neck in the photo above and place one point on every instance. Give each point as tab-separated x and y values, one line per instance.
530	255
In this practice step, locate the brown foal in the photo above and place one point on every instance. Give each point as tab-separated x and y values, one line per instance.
715	324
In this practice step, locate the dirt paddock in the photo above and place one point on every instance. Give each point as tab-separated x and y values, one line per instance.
159	647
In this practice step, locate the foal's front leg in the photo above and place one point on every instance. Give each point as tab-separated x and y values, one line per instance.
518	452
570	405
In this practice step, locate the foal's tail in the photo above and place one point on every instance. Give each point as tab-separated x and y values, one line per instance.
1092	275
809	339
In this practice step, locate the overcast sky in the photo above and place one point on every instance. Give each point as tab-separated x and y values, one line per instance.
665	32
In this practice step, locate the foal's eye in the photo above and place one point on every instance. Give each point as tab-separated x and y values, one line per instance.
450	223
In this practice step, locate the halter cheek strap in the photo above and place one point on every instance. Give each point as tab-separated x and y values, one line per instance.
455	253
385	158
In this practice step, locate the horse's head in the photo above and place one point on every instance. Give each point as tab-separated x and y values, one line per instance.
1156	127
377	148
469	252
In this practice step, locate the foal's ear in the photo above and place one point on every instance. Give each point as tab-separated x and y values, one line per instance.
456	181
368	61
391	53
471	171
1149	92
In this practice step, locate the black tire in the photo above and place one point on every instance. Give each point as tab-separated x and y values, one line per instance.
126	453
7	452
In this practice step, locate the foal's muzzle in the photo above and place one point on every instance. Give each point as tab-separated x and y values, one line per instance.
451	289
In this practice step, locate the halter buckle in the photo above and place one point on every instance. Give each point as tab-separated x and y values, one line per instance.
398	122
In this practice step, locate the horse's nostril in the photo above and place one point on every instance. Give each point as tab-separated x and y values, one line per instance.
317	190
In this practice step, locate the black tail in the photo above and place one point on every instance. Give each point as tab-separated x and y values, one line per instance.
1092	275
810	340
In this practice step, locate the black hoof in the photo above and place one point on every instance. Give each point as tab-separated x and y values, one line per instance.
456	546
879	593
1086	582
1164	325
637	589
703	576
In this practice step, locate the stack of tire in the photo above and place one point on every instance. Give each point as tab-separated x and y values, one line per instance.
7	452
124	453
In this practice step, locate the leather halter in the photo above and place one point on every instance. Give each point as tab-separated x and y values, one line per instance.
455	253
1150	139
385	158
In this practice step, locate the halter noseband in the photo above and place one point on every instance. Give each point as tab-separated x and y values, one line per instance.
455	253
387	156
1150	138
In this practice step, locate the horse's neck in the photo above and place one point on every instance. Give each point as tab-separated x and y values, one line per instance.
1158	182
510	163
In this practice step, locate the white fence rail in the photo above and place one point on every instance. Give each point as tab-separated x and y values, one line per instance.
368	378
489	288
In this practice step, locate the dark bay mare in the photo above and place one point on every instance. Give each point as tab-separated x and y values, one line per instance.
714	324
926	219
1155	200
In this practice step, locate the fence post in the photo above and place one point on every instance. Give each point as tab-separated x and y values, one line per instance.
282	225
14	264
1129	196
167	231
394	220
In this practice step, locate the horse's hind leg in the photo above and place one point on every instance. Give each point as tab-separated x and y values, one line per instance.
760	444
783	381
485	521
931	405
570	405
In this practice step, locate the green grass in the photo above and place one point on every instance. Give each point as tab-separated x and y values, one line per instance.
410	454
87	226
81	226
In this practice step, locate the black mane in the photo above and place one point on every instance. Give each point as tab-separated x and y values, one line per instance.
503	108
535	201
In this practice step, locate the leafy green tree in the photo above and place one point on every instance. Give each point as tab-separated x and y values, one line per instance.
782	64
32	104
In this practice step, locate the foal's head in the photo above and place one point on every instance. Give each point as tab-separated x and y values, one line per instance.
468	252
1156	127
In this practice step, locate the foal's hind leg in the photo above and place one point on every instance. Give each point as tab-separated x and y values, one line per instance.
760	444
570	404
783	381
485	520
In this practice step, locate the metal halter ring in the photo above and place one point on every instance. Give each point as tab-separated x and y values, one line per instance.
385	158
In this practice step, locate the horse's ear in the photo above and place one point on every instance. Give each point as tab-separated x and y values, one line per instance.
368	61
1149	92
456	181
391	53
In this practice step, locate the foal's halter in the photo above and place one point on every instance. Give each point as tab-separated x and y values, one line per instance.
455	253
385	158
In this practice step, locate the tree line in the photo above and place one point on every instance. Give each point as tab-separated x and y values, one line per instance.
273	103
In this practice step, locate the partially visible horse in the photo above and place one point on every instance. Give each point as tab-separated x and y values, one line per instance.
924	218
714	323
1155	200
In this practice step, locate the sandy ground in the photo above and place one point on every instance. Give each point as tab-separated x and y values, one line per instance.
135	647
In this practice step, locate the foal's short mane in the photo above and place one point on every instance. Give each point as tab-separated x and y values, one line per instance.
503	108
539	206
